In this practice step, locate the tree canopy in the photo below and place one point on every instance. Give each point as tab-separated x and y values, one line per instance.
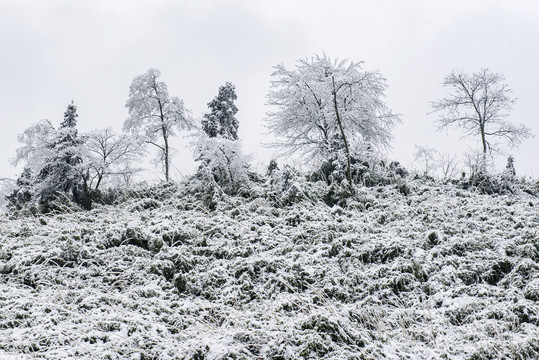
325	107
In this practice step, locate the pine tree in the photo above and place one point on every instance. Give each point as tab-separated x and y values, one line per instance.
63	174
510	167
221	121
22	195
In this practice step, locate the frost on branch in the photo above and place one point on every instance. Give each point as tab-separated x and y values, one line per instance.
38	141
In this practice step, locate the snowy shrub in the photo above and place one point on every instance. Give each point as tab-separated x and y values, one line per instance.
107	196
441	273
223	168
285	186
487	184
531	291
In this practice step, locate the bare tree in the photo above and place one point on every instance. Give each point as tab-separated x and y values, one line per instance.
479	104
111	155
449	165
427	159
326	107
154	115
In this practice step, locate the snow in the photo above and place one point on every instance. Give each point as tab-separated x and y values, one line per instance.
440	273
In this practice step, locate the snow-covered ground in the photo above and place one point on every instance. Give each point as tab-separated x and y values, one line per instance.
442	273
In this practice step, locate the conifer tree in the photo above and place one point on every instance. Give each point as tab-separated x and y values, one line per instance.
221	120
23	193
63	174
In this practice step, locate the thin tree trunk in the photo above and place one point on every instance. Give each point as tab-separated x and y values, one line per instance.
339	122
484	156
165	139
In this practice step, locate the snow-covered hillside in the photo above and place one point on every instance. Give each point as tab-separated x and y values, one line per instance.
440	273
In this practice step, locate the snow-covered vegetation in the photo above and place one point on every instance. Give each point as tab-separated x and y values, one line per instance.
411	269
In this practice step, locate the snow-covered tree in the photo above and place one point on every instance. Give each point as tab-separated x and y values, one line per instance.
54	169
111	155
223	167
327	106
427	158
22	193
221	120
510	167
154	115
38	143
479	104
449	165
64	174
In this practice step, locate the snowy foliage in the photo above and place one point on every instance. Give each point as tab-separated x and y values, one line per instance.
442	273
223	168
154	115
221	120
38	141
284	186
55	175
321	100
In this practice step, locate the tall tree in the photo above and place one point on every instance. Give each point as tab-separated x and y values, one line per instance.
221	120
328	106
64	173
479	104
154	115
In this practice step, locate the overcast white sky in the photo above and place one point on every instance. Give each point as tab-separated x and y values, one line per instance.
57	50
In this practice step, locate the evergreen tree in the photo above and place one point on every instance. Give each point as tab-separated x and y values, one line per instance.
221	120
23	193
510	167
63	174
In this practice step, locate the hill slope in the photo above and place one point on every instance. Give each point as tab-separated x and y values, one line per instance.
440	273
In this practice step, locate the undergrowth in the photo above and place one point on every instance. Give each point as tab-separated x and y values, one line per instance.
409	269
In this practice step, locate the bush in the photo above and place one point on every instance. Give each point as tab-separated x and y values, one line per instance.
223	170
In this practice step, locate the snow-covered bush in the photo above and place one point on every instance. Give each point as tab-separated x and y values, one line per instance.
367	168
440	274
223	168
285	186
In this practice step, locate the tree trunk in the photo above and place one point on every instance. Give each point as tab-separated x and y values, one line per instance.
339	122
165	139
99	179
483	169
